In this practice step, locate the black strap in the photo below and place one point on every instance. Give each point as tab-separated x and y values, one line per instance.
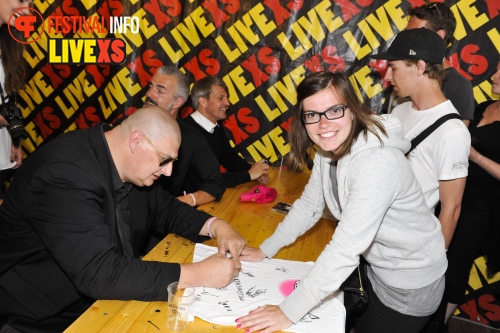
425	133
2	94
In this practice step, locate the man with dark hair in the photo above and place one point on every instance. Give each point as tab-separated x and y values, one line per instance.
440	161
196	177
77	217
439	18
210	100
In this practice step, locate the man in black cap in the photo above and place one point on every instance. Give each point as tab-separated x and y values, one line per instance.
438	17
440	161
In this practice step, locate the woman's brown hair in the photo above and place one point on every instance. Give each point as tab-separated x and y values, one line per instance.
13	62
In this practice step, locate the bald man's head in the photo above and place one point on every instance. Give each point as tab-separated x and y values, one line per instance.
155	122
145	145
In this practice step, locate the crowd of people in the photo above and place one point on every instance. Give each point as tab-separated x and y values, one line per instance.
83	209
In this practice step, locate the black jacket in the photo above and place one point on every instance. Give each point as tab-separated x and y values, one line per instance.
196	169
236	167
58	243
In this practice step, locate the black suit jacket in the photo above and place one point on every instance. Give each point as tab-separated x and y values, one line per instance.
58	243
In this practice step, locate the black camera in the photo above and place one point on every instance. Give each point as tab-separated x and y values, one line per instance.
13	115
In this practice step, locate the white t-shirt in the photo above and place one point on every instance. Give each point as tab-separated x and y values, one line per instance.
261	283
5	140
443	155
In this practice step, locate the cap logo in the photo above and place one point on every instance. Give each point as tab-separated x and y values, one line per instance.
412	52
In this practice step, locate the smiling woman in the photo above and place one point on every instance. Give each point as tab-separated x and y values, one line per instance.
327	133
359	154
334	92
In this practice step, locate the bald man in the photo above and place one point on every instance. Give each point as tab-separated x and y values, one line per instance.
76	218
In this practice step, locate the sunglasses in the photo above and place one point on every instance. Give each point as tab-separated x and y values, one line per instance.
433	5
163	160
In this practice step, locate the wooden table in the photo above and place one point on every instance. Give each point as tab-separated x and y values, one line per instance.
253	221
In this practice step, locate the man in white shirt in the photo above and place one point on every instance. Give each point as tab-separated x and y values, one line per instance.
210	100
440	162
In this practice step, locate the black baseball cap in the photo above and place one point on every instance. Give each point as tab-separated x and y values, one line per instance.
415	44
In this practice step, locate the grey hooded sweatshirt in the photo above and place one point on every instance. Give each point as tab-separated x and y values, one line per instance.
382	215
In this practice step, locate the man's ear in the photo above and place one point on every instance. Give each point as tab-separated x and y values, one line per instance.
135	140
421	66
202	101
179	101
441	34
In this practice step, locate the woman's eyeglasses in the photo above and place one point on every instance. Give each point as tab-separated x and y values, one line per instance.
334	112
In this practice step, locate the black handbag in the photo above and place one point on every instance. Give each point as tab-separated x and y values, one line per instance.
355	296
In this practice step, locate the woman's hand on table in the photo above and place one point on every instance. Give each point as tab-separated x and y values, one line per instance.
228	239
265	319
250	253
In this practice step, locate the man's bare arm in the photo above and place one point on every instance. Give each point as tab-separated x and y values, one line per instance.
450	194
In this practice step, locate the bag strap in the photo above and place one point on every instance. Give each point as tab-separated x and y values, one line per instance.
425	133
2	94
361	289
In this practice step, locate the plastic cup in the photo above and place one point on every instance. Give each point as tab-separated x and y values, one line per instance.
180	300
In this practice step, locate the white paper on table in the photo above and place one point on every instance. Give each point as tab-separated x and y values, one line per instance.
261	283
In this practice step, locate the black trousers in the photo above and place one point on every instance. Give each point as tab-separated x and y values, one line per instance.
380	318
472	231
